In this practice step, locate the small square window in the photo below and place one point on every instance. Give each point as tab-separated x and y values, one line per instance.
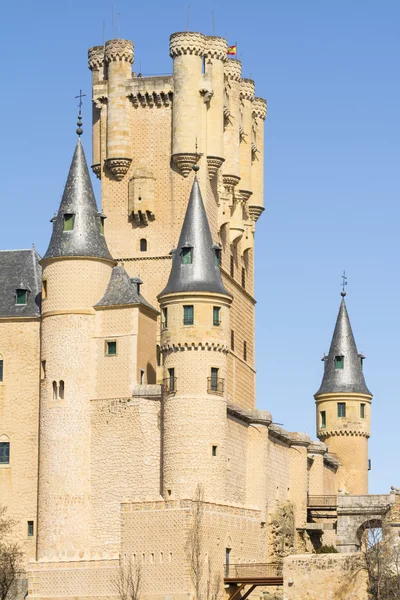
188	315
216	316
111	348
69	222
362	411
4	453
21	296
214	450
31	529
341	409
323	419
339	362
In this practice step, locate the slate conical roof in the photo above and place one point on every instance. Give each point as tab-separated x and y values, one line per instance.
202	274
78	199
123	290
350	378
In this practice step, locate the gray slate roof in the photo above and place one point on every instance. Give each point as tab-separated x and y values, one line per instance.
350	378
85	239
123	290
202	275
20	269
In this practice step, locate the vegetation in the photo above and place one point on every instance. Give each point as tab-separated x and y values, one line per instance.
11	558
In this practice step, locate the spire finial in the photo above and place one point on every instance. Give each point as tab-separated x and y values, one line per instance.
79	131
344	283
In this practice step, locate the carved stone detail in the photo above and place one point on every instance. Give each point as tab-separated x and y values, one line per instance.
247	87
185	162
214	163
118	167
96	168
230	181
119	50
96	58
216	47
260	108
233	69
245	194
151	98
255	211
187	42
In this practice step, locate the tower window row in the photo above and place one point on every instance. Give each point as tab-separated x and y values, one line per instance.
188	316
339	362
215	384
341	413
187	255
69	222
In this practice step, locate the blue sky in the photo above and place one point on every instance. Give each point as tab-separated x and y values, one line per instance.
329	71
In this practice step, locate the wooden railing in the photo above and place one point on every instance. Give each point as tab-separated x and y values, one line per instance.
253	571
322	502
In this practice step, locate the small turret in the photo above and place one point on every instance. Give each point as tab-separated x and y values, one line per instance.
194	342
343	404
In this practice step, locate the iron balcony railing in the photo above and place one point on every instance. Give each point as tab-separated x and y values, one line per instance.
215	385
169	384
322	502
244	571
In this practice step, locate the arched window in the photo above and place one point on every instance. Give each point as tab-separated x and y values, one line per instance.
61	390
143	245
1	368
55	391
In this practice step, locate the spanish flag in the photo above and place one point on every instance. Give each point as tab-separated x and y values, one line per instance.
232	50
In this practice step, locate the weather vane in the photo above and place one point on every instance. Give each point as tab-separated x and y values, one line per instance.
344	283
79	131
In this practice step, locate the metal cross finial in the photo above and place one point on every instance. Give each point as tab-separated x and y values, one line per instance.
79	131
344	283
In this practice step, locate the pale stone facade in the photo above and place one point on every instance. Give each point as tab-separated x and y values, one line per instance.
111	467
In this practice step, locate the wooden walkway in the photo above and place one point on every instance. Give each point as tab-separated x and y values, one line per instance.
252	575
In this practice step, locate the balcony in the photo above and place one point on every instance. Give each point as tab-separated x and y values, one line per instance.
170	385
215	385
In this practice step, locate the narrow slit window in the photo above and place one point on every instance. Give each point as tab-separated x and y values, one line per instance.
214	450
21	296
44	289
214	379
31	529
1	369
111	348
216	316
141	376
339	362
244	350
243	278
55	390
362	411
4	453
143	245
187	256
323	419
43	370
232	340
188	315
171	380
232	266
61	390
69	222
341	409
165	318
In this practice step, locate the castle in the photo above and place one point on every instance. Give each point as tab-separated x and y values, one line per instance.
127	366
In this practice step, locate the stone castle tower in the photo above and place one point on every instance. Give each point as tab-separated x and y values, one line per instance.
343	404
136	394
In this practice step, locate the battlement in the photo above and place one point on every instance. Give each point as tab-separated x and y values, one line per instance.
233	69
216	47
187	42
247	87
260	108
96	58
119	50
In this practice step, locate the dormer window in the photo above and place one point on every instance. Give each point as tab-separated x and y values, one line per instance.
187	255
362	362
339	362
217	257
102	219
21	296
69	219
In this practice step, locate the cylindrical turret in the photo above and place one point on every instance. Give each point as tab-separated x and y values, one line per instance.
96	65
215	57
246	106
343	407
76	271
119	56
231	167
187	51
256	202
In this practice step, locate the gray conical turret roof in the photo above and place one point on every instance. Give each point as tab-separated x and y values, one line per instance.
85	239
202	274
350	378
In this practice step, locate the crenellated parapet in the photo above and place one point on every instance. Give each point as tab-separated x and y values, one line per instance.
96	58
260	108
233	69
187	42
216	47
247	87
119	50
